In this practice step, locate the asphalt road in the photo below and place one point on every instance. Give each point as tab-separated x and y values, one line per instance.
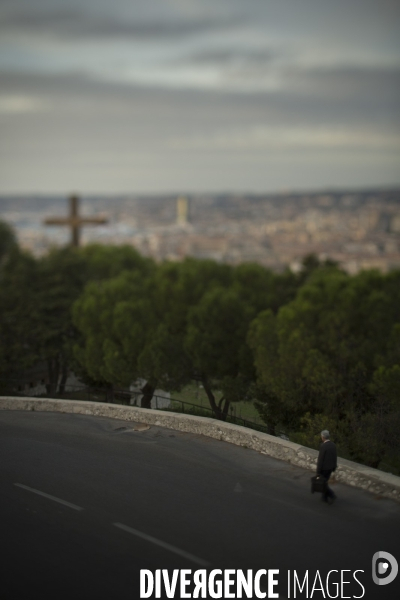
87	502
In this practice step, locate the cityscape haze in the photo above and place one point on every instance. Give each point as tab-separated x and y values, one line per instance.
358	229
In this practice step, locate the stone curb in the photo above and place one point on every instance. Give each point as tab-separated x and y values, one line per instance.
351	473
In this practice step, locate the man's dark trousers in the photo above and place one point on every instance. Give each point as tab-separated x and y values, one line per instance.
328	492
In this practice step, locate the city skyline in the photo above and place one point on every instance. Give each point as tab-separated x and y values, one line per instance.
359	230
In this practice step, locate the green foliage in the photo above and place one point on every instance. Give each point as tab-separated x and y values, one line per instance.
309	433
105	262
112	329
215	333
36	298
311	264
18	316
216	344
334	351
316	350
8	242
189	321
262	289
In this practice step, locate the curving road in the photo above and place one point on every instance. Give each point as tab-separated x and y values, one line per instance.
86	502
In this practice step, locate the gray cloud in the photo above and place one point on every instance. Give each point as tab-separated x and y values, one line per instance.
351	93
356	97
227	56
106	115
348	81
77	23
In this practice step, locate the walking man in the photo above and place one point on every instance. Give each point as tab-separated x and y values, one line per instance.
327	463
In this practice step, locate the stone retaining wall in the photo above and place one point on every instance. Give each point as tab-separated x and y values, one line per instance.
373	480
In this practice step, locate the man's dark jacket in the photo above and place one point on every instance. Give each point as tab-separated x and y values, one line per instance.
327	459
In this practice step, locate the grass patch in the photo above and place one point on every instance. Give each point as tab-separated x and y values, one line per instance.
196	395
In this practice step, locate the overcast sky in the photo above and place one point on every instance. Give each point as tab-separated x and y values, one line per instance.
182	96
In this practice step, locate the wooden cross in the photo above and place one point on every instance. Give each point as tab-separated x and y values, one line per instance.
74	221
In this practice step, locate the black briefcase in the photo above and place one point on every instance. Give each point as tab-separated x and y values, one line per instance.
318	484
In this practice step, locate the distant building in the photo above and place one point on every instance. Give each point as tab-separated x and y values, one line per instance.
182	211
359	230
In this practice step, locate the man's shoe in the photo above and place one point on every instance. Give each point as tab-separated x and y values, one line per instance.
331	499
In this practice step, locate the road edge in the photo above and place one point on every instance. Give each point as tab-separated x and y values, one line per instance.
374	481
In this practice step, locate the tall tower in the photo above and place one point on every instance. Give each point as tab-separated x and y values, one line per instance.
182	211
